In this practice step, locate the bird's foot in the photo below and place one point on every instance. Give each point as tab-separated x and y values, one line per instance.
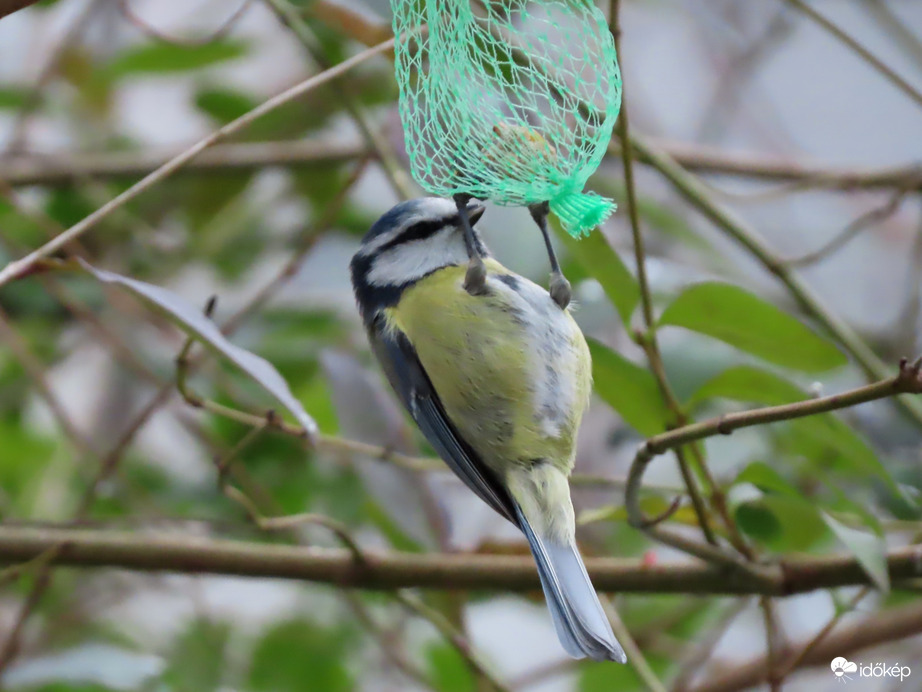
560	290
475	279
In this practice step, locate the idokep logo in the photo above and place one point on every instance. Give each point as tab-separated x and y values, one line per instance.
842	667
845	670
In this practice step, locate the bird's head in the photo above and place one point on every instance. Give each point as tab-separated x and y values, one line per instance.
409	242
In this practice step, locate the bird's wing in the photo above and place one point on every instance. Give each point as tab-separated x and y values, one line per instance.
409	379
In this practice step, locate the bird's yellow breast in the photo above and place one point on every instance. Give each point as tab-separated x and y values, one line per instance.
510	367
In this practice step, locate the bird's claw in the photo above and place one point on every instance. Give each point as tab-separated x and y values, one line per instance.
475	279
560	290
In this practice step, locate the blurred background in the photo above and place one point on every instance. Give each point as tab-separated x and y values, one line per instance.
802	139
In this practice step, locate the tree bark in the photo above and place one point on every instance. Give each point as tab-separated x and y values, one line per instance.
10	6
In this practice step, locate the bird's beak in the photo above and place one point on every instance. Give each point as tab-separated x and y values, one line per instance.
475	211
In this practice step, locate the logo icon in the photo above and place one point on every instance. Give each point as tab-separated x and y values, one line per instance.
841	667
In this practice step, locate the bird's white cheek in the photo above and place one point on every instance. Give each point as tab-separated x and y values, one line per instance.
413	260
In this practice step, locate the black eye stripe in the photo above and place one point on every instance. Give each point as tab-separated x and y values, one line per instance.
418	231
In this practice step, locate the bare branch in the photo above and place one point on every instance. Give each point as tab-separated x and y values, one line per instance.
10	6
697	194
17	267
67	167
159	552
906	381
887	626
859	50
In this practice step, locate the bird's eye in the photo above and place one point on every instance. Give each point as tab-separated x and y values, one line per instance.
420	230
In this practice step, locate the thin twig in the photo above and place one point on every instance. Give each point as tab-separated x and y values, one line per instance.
851	231
772	642
695	192
63	168
648	337
887	626
694	659
216	34
17	267
10	6
908	380
11	645
33	98
387	641
858	49
634	655
896	29
397	177
796	660
453	636
306	243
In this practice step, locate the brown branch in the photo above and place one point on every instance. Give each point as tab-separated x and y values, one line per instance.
862	52
886	626
689	187
160	552
647	337
224	28
67	167
17	267
456	638
770	168
851	231
907	381
10	6
797	658
59	168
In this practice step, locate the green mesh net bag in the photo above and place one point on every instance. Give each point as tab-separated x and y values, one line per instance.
512	101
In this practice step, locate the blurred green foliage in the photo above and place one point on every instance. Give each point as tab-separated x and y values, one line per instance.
812	486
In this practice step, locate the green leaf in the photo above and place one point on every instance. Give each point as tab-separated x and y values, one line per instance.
224	105
824	440
747	383
771	510
869	549
197	661
609	677
827	443
26	458
743	320
298	655
766	479
448	671
12	96
164	58
198	325
629	389
603	264
783	523
758	521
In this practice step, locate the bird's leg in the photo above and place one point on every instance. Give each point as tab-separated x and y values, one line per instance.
559	287
475	279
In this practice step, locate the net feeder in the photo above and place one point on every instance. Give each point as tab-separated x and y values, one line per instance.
513	102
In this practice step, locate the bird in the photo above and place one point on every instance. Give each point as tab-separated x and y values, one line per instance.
496	381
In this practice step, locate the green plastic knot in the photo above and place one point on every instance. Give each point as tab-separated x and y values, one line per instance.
580	212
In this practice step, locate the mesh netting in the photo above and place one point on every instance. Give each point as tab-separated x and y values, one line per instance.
512	101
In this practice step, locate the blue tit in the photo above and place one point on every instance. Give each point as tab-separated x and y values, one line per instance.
497	381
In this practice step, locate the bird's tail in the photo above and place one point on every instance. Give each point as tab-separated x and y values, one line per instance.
581	624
